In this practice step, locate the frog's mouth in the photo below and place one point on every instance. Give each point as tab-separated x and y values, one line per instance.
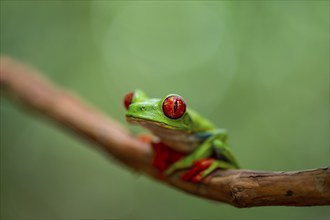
174	137
149	124
154	126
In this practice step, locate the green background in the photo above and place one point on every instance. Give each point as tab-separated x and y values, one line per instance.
258	68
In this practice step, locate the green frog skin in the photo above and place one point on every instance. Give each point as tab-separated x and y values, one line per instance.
202	147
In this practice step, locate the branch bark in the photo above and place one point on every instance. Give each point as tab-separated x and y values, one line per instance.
240	188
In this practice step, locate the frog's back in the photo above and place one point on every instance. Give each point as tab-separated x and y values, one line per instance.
199	123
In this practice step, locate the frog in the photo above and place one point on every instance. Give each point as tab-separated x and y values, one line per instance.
184	139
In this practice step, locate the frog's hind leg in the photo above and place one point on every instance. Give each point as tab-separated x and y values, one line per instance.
215	144
223	153
224	160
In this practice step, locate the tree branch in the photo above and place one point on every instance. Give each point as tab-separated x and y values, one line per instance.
240	188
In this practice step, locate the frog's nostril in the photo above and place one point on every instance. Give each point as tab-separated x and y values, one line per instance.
143	108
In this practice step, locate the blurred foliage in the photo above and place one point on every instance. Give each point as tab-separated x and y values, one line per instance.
258	68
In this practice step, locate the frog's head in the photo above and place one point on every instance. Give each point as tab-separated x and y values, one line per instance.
157	114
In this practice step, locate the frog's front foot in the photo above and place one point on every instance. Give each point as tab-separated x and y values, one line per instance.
197	171
202	168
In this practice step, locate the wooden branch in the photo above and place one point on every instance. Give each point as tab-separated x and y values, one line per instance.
240	188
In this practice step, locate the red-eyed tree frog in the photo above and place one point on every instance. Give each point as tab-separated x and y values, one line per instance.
185	139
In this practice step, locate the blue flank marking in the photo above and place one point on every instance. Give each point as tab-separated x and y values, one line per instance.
203	135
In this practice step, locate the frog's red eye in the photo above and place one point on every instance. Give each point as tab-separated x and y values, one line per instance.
128	99
174	107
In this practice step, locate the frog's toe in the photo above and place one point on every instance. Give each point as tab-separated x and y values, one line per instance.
214	166
198	167
189	175
197	179
146	138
